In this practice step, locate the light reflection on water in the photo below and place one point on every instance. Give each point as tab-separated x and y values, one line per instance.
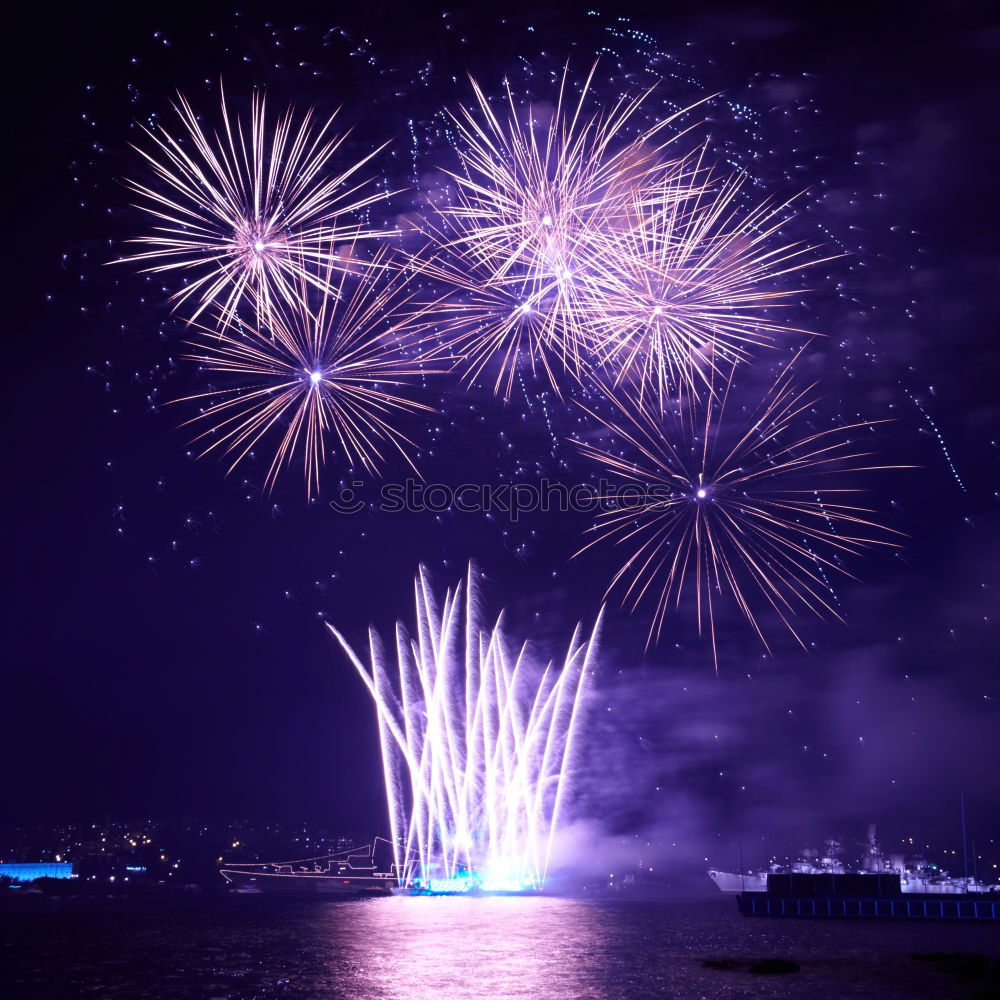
454	948
412	948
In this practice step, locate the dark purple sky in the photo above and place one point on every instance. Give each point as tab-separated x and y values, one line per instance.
145	677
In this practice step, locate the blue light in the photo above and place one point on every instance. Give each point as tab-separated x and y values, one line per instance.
470	883
21	873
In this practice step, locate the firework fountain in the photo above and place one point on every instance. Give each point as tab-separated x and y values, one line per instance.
477	740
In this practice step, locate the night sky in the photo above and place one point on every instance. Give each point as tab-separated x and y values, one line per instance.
166	653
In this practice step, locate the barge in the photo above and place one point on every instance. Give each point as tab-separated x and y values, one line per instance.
861	896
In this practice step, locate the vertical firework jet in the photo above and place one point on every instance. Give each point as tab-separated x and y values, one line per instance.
240	212
477	743
716	506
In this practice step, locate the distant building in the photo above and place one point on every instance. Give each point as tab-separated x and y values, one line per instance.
29	872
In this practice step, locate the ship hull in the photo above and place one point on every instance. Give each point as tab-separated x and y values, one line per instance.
305	885
735	882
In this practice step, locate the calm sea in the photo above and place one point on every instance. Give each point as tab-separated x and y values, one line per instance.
453	948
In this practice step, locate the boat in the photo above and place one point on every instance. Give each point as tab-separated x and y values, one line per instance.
916	875
361	871
810	862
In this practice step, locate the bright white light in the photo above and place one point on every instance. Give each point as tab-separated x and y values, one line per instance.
546	220
478	745
259	246
702	494
315	377
658	310
526	308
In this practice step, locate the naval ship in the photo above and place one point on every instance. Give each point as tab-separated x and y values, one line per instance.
916	874
362	871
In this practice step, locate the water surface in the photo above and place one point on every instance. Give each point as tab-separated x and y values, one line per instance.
459	949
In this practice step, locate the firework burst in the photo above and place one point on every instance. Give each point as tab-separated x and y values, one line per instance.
240	212
519	240
723	506
499	328
316	375
689	287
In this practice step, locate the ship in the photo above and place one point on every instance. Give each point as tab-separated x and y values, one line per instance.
364	871
916	875
361	871
810	862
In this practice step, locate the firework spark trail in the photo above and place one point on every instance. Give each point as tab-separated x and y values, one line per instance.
518	244
314	374
477	742
686	289
240	212
729	507
488	325
940	440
